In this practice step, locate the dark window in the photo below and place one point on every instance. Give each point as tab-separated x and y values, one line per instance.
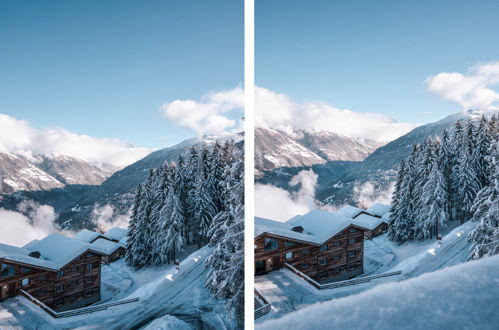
40	293
322	275
41	277
89	266
337	270
337	243
351	254
351	240
7	270
304	266
337	256
289	244
60	273
305	251
352	266
323	261
289	255
25	270
25	281
353	230
74	269
324	247
89	279
90	255
59	288
271	244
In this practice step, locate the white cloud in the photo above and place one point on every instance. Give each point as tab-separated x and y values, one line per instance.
207	116
278	111
367	194
476	89
19	137
106	218
280	205
19	229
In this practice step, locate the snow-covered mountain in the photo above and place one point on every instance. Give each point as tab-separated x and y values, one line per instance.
275	149
45	172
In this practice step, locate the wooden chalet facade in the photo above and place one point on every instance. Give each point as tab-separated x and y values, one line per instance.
324	259
72	283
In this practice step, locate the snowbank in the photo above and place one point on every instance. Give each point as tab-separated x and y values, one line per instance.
168	322
465	296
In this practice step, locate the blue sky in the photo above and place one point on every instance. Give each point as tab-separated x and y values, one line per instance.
104	68
372	56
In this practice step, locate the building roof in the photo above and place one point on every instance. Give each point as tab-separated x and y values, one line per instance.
323	224
31	243
87	235
386	216
116	233
105	246
349	211
368	221
21	255
123	241
378	209
283	229
60	249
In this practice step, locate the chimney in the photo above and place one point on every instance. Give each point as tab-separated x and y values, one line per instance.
35	254
298	229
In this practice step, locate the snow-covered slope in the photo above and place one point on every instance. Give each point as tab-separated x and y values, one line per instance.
464	296
162	292
275	149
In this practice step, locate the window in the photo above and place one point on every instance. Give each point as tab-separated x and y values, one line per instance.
289	255
7	270
336	270
90	255
59	288
271	244
337	256
89	279
305	251
336	243
353	230
25	281
25	270
351	240
350	254
60	273
89	266
304	266
322	275
289	244
41	277
323	261
352	266
90	292
74	269
323	247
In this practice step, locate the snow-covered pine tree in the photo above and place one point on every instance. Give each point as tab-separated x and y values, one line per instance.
455	144
133	228
226	276
203	209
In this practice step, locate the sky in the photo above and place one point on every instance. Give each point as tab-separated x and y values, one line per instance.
378	56
109	69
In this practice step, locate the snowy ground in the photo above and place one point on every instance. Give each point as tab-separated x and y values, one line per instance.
162	293
463	296
289	293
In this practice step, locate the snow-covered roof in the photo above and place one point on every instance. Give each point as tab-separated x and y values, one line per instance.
322	224
349	211
116	233
283	229
60	249
386	216
31	243
123	241
87	235
368	221
105	246
21	255
378	209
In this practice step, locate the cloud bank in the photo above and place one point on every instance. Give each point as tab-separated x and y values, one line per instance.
19	137
280	205
476	89
278	111
106	218
19	229
210	114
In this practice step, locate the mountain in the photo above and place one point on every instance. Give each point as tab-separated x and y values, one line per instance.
16	173
74	203
45	172
340	182
275	149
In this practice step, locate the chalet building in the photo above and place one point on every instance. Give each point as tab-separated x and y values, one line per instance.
378	210
325	246
61	272
112	243
112	251
374	219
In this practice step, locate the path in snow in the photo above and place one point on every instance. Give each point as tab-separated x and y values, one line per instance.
288	293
